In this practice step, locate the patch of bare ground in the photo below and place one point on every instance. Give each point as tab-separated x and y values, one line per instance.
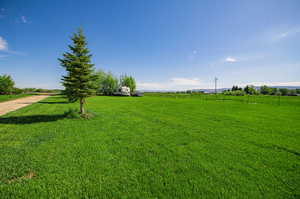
29	175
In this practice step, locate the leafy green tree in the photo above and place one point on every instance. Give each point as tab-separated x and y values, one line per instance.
110	84
6	84
236	88
128	81
99	81
17	91
292	92
273	91
265	90
78	81
250	90
284	91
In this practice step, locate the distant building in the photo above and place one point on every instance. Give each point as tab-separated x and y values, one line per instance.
123	91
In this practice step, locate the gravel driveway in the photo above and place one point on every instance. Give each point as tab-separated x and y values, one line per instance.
8	106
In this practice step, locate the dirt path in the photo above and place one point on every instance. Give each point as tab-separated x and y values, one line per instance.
6	107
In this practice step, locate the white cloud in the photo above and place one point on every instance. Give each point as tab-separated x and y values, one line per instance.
273	83
230	59
4	48
2	15
3	44
186	81
173	84
151	86
286	34
24	19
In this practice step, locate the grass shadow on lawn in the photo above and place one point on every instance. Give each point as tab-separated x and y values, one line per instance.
53	102
30	119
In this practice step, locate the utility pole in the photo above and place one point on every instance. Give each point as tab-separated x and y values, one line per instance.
216	79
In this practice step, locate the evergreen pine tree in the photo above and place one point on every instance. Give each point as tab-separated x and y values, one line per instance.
79	80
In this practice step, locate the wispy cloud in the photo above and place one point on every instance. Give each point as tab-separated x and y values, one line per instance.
185	81
273	83
24	19
2	13
3	44
286	34
176	83
230	59
2	57
4	49
192	55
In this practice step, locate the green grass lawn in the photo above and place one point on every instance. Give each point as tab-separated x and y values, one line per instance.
152	147
4	98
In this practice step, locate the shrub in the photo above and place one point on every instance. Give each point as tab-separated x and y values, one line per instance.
235	93
17	91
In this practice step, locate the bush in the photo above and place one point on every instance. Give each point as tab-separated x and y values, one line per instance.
17	91
235	93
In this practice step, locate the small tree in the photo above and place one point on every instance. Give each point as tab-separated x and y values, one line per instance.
99	81
265	90
284	91
110	84
250	90
6	84
236	88
79	81
128	81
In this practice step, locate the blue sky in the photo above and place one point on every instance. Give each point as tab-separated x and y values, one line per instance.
164	44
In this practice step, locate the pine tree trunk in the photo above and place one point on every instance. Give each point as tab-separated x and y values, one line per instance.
81	106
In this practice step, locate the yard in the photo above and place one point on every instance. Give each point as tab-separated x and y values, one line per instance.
153	147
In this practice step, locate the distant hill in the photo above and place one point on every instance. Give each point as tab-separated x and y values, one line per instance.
219	90
288	87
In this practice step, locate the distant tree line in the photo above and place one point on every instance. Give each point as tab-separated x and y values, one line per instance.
7	87
263	90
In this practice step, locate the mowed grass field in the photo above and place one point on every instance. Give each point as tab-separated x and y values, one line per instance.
152	147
